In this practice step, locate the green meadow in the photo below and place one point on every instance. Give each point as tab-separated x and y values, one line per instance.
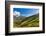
31	21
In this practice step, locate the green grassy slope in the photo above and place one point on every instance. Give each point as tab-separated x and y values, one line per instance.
31	21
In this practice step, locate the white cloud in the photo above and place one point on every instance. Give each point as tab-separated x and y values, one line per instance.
17	14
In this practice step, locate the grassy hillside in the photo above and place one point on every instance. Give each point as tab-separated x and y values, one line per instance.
31	21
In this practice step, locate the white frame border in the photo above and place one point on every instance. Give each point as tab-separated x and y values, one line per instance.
29	28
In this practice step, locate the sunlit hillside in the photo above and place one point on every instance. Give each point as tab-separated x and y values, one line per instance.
31	21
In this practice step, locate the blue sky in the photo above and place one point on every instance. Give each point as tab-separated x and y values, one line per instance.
26	11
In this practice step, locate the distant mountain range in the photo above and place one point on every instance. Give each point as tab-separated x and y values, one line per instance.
19	18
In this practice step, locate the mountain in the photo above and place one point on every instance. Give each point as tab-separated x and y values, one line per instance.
19	18
31	21
31	17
